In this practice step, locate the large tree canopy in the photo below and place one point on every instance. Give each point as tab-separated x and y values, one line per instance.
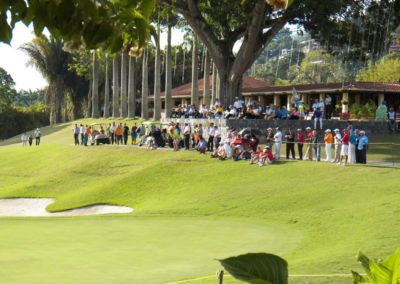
220	24
106	23
7	89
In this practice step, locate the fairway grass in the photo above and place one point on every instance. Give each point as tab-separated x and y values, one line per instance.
188	211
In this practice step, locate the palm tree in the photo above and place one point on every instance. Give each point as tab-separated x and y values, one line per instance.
132	87
124	84
157	79
145	85
195	72
168	70
107	91
47	55
95	89
115	87
206	86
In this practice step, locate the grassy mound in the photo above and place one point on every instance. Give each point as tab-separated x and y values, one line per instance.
189	209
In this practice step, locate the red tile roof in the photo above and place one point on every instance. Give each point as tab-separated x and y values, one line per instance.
248	85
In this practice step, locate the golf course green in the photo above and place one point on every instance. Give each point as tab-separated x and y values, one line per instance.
189	210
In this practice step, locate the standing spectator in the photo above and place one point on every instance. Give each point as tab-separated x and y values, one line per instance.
328	139
317	117
186	133
278	143
217	136
134	134
392	119
338	144
344	152
300	140
308	154
284	113
82	133
88	133
352	147
315	105
126	134
30	139
111	131
200	130
24	139
75	131
290	138
118	134
142	133
328	107
211	134
301	110
269	138
37	136
363	147
316	145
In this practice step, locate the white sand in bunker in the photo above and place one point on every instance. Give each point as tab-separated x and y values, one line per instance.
31	207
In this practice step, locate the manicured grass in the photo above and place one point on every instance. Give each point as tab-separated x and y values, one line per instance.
189	209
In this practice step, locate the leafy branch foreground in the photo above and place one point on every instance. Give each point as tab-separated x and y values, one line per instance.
264	268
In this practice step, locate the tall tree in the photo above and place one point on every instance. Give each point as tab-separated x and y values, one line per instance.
386	69
7	89
168	70
132	87
107	90
145	85
221	24
124	86
95	88
206	86
195	72
115	87
157	77
48	56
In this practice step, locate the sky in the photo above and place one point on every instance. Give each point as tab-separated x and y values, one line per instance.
14	61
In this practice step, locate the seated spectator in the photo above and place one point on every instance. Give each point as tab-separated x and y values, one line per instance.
266	156
269	113
202	145
255	156
284	113
232	112
228	149
295	115
278	113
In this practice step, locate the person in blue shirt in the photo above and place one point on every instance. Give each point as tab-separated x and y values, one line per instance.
284	113
362	147
317	117
352	147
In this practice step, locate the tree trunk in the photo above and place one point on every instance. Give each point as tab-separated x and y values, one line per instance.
107	91
59	91
214	85
145	86
95	90
195	73
89	100
124	65
157	79
132	88
168	74
115	87
206	86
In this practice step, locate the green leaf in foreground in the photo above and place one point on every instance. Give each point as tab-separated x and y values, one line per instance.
257	268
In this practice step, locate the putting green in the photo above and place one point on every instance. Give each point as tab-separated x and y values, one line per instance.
129	249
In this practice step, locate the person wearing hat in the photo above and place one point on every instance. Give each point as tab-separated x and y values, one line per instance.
278	143
290	137
316	145
362	147
308	137
338	144
328	145
266	156
344	152
300	139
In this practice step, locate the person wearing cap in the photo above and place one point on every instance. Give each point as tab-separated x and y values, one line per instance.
278	143
338	144
362	147
328	145
266	156
255	156
344	152
308	137
290	137
300	139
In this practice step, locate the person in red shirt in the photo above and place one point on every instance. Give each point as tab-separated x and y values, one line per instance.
344	152
300	139
266	156
255	157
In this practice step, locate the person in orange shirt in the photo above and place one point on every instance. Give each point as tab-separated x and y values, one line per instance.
118	133
328	145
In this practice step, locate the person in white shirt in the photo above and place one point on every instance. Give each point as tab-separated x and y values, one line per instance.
217	136
315	105
186	132
328	107
24	139
232	112
278	143
392	119
238	104
228	149
82	133
338	144
211	134
111	131
37	136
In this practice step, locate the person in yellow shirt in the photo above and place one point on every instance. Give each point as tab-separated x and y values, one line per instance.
328	145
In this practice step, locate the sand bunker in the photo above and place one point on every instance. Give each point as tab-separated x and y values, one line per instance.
17	207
